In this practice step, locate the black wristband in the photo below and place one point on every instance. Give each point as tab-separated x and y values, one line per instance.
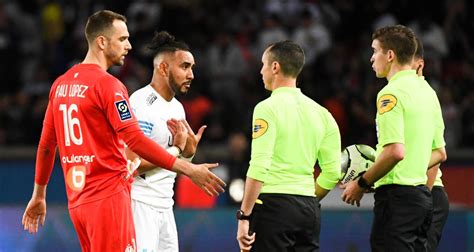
241	216
363	183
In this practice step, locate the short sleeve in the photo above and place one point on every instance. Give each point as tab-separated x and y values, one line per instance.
263	141
390	123
438	141
329	156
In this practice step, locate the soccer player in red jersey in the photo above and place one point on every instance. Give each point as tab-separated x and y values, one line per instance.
88	117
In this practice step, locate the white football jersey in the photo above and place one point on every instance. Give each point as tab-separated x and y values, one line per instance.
155	187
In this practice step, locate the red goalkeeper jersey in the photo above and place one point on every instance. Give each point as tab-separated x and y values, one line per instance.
87	107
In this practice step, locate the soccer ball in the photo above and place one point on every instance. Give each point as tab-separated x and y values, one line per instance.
355	160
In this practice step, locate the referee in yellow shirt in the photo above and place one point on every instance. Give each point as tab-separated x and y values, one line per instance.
434	183
410	139
290	133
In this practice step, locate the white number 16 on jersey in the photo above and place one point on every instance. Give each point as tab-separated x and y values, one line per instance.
69	123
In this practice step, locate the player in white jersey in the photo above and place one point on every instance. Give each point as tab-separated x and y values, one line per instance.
162	118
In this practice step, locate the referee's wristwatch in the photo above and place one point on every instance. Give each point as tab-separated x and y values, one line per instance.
240	215
363	183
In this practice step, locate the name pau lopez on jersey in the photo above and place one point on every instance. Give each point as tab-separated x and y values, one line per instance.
71	90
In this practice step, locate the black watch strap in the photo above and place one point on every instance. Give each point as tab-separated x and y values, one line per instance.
240	215
363	183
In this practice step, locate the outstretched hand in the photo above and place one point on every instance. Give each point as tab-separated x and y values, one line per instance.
206	180
35	214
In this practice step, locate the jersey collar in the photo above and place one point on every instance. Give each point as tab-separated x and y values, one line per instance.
286	90
402	74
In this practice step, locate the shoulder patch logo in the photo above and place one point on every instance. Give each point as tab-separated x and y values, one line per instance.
386	103
260	126
123	110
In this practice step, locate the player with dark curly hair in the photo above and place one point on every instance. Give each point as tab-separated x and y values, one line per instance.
162	118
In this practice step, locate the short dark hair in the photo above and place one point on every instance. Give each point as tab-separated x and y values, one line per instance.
399	39
289	55
100	22
165	42
420	52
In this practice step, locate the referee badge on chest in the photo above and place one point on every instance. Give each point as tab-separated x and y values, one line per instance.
260	126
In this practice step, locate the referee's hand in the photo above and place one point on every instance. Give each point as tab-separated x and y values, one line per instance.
245	240
352	193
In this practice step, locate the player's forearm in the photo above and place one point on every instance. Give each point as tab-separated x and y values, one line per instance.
390	156
45	155
437	156
182	167
39	191
432	176
329	176
329	159
146	148
145	165
320	192
44	164
251	192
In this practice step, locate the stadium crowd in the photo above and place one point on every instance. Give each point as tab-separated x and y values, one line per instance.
40	39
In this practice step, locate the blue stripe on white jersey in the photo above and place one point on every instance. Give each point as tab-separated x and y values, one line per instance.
146	127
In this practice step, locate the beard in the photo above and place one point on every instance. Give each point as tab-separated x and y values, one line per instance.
178	89
115	58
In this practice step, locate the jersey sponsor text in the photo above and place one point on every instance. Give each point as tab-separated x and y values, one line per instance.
75	159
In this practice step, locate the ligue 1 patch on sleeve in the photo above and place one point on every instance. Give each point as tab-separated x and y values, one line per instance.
259	128
123	110
386	103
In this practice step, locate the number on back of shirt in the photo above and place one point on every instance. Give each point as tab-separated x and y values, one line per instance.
72	126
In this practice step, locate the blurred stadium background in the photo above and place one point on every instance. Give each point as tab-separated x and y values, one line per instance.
40	39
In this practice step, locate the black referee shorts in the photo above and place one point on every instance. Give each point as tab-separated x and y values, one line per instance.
402	217
286	222
440	215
